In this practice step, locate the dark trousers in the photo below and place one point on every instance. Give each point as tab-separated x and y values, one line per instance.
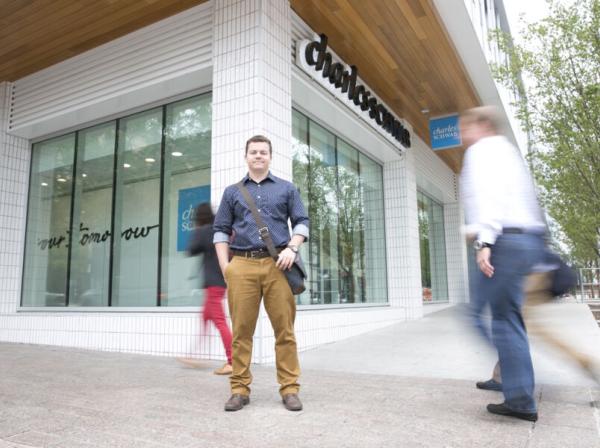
513	257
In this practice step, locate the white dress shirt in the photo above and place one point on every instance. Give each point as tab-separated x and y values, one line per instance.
497	190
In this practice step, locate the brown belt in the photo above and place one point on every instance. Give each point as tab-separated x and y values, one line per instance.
259	253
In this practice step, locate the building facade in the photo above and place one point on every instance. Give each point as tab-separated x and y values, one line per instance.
106	153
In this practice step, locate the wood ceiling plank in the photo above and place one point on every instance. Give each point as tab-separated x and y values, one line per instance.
140	22
331	5
41	18
395	87
411	19
387	37
348	14
440	34
112	25
44	49
407	72
12	10
429	66
412	65
417	8
77	21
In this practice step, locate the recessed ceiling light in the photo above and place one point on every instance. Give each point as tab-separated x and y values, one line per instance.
149	160
126	165
176	154
84	175
44	184
61	179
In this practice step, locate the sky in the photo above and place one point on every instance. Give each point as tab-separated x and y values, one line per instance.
532	10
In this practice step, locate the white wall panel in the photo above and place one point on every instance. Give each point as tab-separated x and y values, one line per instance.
14	174
434	177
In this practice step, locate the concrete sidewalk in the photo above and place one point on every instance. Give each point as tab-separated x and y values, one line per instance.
71	398
443	345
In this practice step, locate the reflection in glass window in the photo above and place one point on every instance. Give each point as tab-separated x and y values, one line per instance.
300	168
48	223
135	248
351	225
375	274
92	206
342	190
324	214
186	185
432	240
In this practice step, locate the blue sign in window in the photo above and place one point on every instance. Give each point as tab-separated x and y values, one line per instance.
444	132
189	199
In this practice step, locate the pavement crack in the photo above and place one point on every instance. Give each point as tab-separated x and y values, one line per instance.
529	435
595	405
532	427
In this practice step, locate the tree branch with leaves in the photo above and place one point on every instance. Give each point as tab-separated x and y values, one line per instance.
558	104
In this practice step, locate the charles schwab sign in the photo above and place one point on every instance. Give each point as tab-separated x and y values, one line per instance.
314	59
444	132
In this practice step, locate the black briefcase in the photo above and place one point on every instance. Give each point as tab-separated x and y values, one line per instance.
296	276
564	278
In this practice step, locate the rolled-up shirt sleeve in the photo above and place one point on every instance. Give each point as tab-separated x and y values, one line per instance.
224	219
297	213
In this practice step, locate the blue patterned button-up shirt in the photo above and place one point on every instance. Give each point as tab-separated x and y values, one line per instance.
276	201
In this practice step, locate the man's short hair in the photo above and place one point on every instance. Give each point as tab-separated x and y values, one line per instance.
259	139
483	116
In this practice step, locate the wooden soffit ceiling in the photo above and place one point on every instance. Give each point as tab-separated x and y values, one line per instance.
402	52
35	34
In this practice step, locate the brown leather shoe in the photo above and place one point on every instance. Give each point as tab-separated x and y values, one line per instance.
292	402
237	402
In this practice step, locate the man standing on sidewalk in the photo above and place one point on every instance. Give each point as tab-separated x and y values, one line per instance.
504	218
253	274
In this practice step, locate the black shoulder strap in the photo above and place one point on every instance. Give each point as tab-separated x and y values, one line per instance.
263	230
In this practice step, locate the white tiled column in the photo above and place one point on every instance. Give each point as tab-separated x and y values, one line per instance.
251	95
456	254
14	174
251	86
402	234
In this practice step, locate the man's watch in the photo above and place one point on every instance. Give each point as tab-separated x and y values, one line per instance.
478	245
293	247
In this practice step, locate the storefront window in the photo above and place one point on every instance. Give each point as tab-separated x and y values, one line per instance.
48	223
371	175
92	206
115	179
136	210
434	280
342	189
186	184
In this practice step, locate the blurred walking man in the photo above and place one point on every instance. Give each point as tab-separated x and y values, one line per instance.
253	274
506	222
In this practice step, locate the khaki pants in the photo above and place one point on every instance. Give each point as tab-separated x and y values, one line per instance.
536	294
248	280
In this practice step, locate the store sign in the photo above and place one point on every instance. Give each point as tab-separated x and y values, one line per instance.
444	132
189	199
341	80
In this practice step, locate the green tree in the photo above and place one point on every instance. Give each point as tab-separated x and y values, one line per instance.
559	106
